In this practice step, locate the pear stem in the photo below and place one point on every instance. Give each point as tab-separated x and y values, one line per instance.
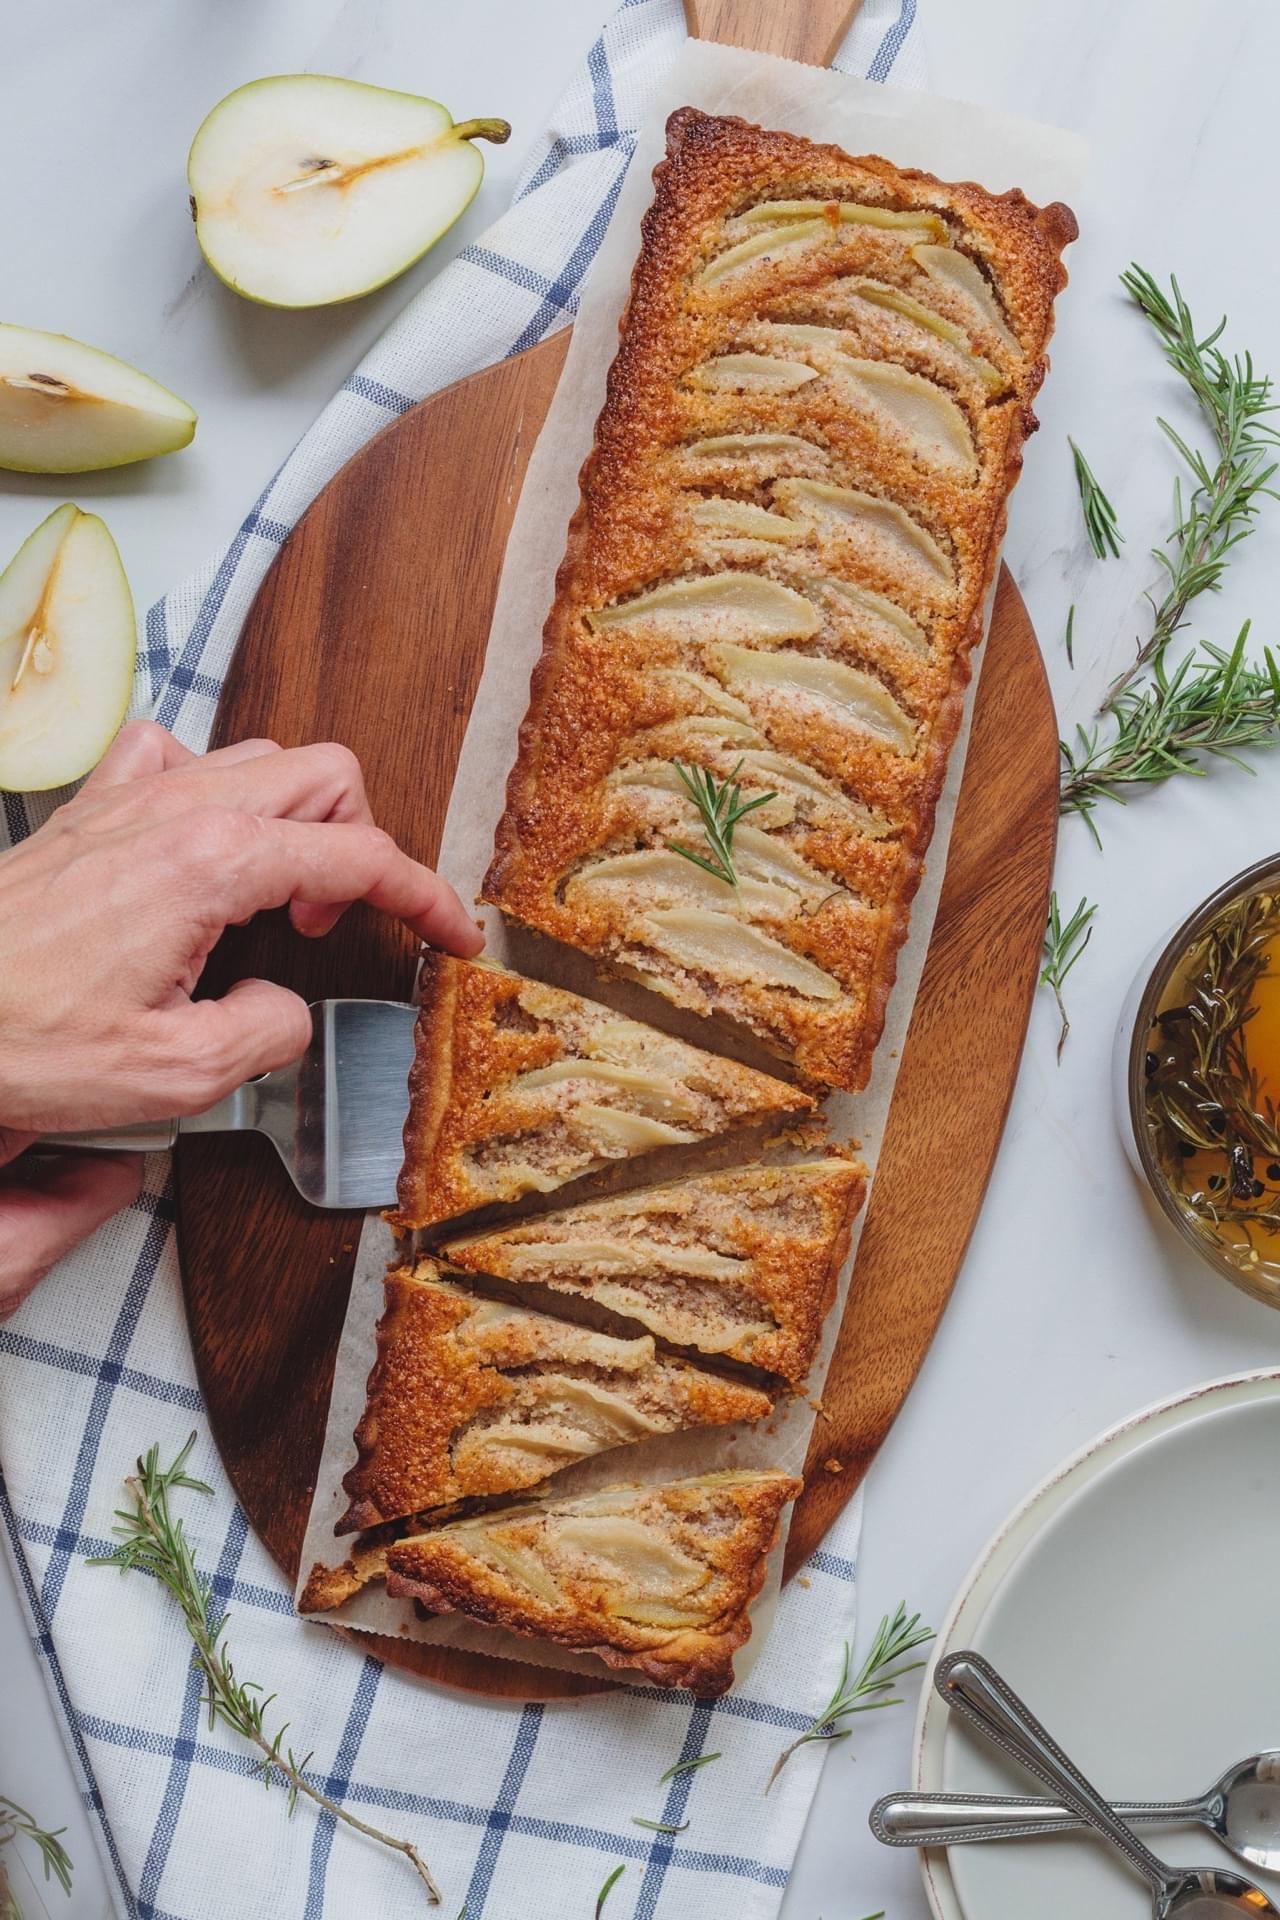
499	131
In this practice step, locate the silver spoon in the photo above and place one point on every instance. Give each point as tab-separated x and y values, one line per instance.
1242	1810
972	1687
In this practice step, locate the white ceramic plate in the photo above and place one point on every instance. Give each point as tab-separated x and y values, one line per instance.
1134	1602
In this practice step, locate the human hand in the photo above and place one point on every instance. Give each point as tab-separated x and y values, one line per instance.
107	916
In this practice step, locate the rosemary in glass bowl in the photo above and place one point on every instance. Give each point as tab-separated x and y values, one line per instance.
1210	1075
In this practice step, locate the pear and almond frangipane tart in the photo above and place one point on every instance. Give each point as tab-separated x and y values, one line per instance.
518	1087
657	1578
776	574
742	1263
472	1398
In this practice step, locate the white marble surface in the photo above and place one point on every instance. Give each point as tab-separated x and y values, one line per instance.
1074	1306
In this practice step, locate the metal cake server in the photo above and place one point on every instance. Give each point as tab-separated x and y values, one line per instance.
1242	1810
973	1688
336	1116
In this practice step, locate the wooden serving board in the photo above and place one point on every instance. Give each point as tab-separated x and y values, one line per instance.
371	629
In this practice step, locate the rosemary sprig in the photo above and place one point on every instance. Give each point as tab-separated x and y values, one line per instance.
873	1685
1099	515
720	807
153	1541
1228	484
1213	703
1064	942
1203	1093
607	1888
16	1823
687	1766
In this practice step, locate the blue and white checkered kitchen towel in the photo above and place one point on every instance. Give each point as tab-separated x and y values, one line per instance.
518	1809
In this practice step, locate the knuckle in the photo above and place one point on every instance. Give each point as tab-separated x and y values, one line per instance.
209	836
141	733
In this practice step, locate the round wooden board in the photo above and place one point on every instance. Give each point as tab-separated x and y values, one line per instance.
371	629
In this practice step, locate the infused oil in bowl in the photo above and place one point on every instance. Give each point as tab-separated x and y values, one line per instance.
1199	1058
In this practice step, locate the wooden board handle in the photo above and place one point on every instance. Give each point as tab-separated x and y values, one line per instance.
809	30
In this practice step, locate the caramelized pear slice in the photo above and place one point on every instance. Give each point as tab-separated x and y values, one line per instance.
960	273
846	213
811	792
641	1558
519	1565
785	333
613	1131
873	609
881	529
908	406
750	372
717	605
659	876
734	950
879	294
742	520
752	446
709	693
530	1259
651	1092
854	697
768	243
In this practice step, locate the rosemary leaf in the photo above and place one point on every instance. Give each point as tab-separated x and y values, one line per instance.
1064	942
872	1687
658	1826
1099	515
607	1888
1228	485
152	1540
687	1766
720	806
1213	704
1069	636
16	1823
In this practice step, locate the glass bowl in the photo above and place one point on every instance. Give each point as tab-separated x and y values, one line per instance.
1256	1276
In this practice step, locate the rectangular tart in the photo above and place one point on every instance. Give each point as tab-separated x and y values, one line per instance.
742	1263
518	1087
657	1578
776	574
472	1397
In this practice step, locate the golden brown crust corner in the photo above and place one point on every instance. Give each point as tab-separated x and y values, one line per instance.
433	1570
329	1587
618	541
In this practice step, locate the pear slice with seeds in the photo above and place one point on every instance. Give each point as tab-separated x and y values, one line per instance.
880	529
847	213
854	697
68	408
878	294
907	405
957	271
742	520
754	372
768	243
716	605
68	638
733	950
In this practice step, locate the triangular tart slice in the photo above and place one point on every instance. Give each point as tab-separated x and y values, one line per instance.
657	1578
517	1087
741	1263
471	1398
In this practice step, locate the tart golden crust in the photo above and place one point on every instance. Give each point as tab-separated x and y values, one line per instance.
817	411
470	1398
741	1264
655	1578
517	1087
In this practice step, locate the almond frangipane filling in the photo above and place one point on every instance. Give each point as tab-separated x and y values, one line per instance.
472	1397
788	529
658	1578
741	1263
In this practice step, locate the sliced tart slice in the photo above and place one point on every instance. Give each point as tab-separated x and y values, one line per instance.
475	1397
657	1578
741	1263
517	1087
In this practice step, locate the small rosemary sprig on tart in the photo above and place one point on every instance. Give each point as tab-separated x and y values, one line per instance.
871	1687
1064	942
1229	483
1099	515
720	806
15	1824
153	1540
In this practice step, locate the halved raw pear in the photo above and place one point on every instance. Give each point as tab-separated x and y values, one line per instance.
67	644
306	189
69	408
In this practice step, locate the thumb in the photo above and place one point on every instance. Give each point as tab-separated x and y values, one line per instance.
49	1205
213	1046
